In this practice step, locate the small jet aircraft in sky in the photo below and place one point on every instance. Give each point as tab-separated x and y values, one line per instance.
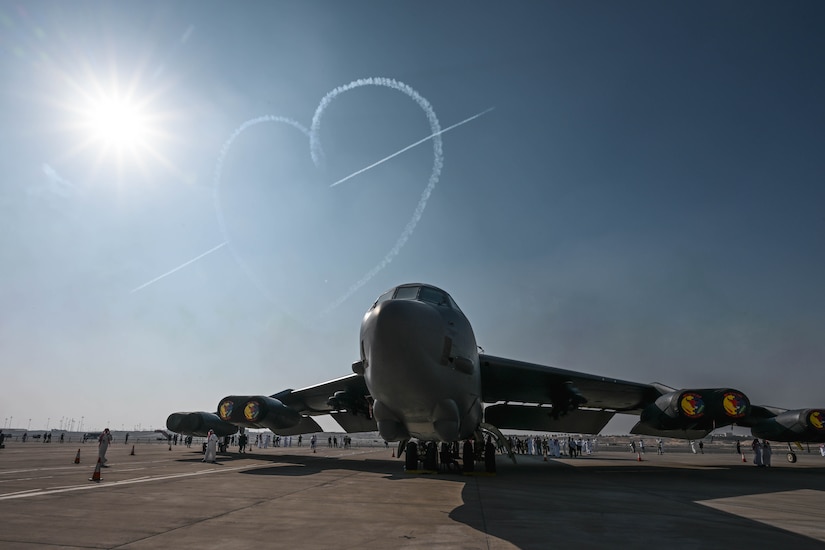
421	376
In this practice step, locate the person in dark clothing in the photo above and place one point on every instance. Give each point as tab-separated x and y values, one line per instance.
469	456
490	455
430	454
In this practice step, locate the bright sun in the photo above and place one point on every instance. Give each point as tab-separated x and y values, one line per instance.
119	124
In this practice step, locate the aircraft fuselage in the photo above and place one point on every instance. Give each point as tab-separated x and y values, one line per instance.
421	366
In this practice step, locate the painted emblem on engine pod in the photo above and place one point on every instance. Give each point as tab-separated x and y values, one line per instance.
735	404
692	405
252	410
816	419
225	409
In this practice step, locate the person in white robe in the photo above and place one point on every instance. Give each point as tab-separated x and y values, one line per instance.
103	446
211	447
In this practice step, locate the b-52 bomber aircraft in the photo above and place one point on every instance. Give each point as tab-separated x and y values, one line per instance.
421	376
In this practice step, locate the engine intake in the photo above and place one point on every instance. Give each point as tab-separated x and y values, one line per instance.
796	425
696	409
257	411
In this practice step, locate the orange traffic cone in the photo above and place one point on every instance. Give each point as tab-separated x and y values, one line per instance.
639	456
96	475
133	451
743	458
77	457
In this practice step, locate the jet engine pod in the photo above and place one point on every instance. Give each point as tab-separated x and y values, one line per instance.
797	425
258	411
696	409
198	424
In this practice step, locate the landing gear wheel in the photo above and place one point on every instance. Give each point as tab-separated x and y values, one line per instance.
791	457
411	462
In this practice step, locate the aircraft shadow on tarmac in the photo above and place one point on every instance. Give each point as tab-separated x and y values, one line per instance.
612	506
309	464
533	503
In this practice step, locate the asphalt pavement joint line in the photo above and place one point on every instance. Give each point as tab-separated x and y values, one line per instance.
228	512
142	479
475	482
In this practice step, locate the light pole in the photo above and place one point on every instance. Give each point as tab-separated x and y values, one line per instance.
80	429
29	427
47	423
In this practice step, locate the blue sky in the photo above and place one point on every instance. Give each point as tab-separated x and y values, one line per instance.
644	201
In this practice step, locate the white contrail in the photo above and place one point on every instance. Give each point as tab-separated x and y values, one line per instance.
193	260
416	144
216	198
317	154
438	163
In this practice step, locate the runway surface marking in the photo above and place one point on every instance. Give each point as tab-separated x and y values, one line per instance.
104	484
24	479
795	511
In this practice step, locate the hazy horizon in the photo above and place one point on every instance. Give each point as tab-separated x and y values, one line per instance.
628	189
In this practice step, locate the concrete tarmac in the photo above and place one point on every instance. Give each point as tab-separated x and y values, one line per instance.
362	498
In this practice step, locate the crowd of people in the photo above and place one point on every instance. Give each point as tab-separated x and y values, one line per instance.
552	446
547	446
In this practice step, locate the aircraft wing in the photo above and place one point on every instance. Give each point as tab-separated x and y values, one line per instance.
510	380
288	412
553	399
344	398
315	399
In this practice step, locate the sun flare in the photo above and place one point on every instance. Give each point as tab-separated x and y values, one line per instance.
118	123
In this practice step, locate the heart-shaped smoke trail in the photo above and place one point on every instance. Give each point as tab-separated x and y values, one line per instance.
317	153
216	198
438	163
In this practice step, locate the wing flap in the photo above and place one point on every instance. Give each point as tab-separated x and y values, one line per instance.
644	429
355	423
510	380
521	417
304	426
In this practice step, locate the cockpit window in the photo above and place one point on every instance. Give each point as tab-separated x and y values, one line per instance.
433	296
406	293
426	294
384	297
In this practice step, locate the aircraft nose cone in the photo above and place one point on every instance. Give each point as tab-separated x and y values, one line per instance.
405	324
402	339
